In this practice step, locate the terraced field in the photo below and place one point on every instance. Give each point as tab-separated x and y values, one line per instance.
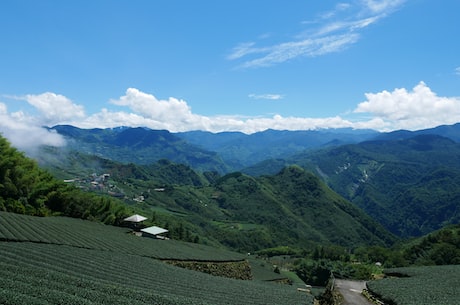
427	285
92	235
69	261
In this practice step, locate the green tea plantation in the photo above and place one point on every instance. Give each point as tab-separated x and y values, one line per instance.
69	261
428	285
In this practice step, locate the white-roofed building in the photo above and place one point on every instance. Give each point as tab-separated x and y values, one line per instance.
154	232
134	222
135	218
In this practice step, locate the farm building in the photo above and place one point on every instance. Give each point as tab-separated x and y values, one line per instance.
154	232
135	218
135	221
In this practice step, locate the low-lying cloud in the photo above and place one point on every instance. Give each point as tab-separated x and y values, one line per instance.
26	132
400	108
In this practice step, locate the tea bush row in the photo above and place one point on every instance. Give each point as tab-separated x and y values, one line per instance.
92	235
35	273
426	285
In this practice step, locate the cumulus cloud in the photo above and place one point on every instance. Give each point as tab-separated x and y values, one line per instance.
55	107
152	108
175	115
399	109
333	32
416	109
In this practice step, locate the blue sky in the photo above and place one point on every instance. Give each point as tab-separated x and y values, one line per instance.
227	65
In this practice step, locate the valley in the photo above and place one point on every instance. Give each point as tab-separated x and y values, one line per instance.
321	207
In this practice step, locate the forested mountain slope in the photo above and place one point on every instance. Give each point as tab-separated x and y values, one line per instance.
411	186
26	188
296	208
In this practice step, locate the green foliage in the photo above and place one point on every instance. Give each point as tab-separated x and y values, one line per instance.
318	265
315	273
438	248
27	189
278	251
419	286
388	257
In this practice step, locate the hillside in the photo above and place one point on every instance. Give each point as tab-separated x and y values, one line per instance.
26	188
441	247
70	261
411	186
418	286
242	212
297	209
237	211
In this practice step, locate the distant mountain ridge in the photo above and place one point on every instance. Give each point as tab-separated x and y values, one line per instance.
140	146
222	152
407	180
241	150
449	131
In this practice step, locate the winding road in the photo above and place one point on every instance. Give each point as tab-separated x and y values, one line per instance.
351	292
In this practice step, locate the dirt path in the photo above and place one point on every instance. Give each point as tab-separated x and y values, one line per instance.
351	292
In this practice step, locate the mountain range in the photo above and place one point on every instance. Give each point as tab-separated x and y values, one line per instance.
205	151
408	181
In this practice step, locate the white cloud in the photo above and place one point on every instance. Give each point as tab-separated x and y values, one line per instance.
416	109
25	132
244	49
175	115
382	6
54	107
149	106
457	71
400	109
335	31
266	96
290	50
